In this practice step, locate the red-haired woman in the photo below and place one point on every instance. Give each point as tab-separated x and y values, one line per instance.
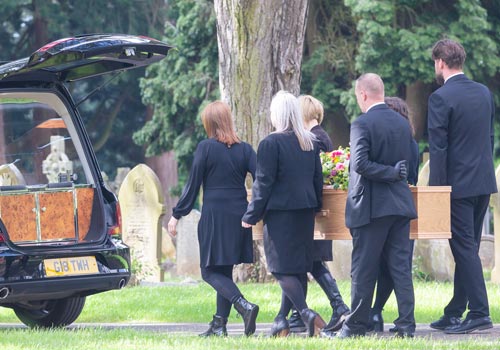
220	165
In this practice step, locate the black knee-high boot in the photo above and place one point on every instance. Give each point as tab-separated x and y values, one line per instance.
340	309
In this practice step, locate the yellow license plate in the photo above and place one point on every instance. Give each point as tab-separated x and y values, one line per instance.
81	265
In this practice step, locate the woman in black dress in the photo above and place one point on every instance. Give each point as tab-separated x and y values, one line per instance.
286	194
312	114
385	284
221	164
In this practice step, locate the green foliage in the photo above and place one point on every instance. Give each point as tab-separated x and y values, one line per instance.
328	67
29	24
396	38
179	86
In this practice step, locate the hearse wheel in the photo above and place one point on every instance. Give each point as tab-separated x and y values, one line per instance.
51	313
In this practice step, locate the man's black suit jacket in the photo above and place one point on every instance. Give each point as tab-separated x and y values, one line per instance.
461	135
379	139
287	178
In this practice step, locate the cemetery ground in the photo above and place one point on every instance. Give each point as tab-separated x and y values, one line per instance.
170	315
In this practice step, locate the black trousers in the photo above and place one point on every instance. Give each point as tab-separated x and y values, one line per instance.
467	215
384	238
385	285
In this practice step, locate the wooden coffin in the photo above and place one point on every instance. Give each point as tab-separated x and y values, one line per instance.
47	215
432	204
433	209
330	221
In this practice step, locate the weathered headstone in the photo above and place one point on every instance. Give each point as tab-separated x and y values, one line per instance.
167	245
188	253
434	255
487	251
340	267
435	258
121	174
141	201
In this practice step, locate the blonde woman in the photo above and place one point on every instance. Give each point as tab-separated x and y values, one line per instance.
286	194
220	165
312	114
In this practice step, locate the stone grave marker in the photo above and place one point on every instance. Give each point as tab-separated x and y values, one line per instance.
434	255
188	252
142	206
341	264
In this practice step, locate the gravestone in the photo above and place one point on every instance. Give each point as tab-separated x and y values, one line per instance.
434	258
433	255
121	174
188	252
340	267
141	201
487	251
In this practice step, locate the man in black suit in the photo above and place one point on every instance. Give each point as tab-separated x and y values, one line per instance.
379	207
460	121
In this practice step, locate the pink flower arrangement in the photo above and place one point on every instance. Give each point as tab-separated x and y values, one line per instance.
335	166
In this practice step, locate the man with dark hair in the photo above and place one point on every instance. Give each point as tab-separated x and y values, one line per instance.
379	207
460	122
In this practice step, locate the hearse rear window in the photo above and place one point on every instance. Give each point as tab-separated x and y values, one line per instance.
38	143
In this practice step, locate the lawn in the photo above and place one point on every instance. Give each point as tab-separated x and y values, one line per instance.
196	303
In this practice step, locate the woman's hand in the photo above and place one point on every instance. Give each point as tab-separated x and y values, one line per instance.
245	225
172	226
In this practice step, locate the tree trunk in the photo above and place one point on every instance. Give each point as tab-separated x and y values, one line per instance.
260	53
416	97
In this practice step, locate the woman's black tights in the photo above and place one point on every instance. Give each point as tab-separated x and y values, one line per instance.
293	288
220	277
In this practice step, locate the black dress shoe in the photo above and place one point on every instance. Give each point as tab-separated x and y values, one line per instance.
296	323
470	325
445	321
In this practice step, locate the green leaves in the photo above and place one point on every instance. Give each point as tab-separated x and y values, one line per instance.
396	38
179	86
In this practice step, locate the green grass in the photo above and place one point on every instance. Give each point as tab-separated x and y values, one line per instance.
123	339
196	303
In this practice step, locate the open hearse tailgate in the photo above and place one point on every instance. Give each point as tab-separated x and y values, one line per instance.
85	56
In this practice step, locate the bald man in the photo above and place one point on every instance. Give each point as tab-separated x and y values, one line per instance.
379	207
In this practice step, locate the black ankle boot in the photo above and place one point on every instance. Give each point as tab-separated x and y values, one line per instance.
217	327
249	313
340	309
376	322
296	323
280	327
313	321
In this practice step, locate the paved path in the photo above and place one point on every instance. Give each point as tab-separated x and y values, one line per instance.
236	329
